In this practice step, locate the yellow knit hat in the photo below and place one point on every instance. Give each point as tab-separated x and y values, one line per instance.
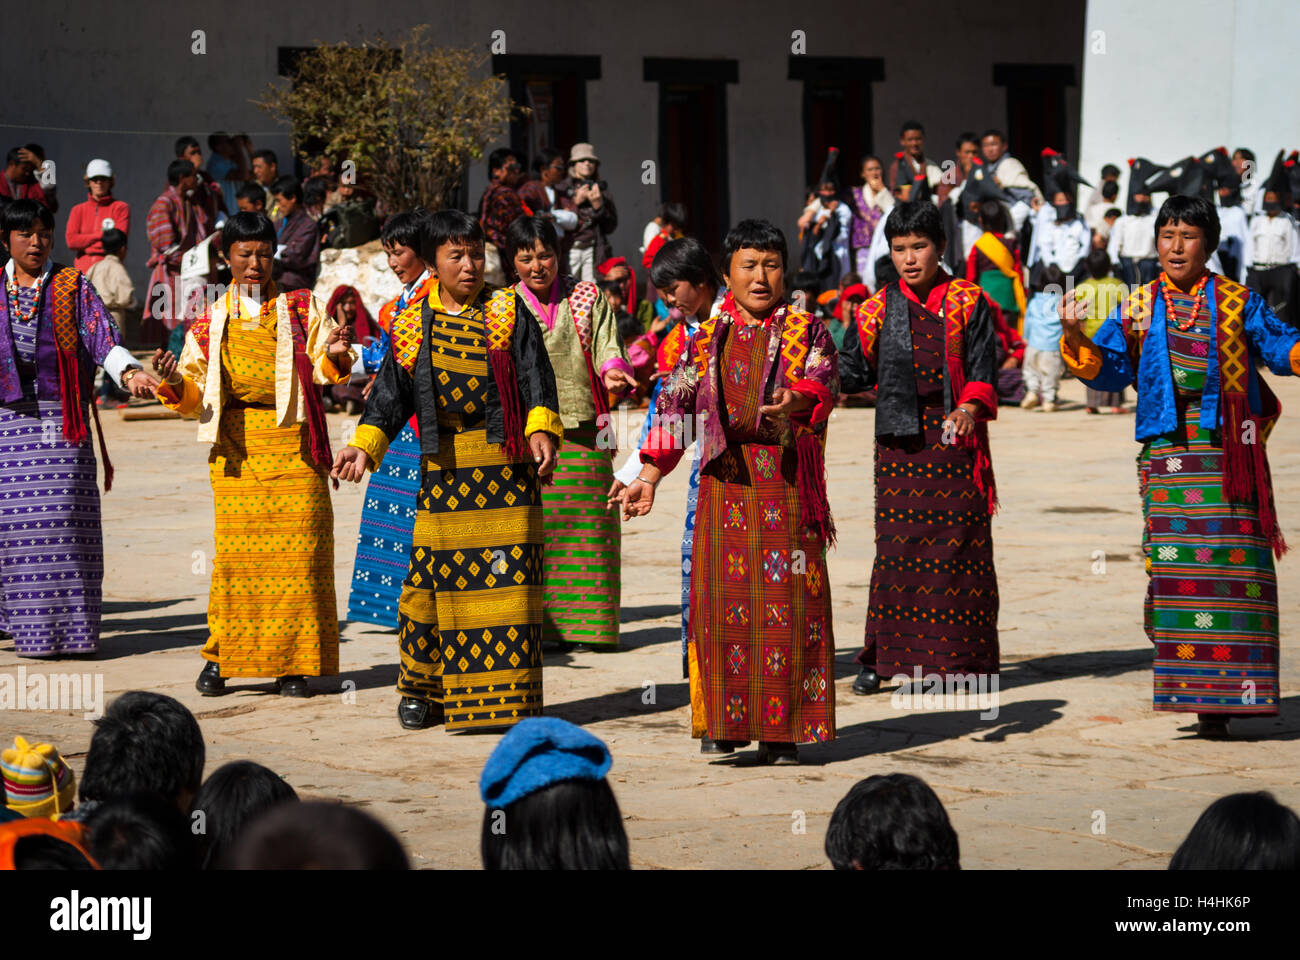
37	781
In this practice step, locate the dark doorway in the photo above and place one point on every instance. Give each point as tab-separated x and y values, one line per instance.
1036	112
693	158
836	111
554	89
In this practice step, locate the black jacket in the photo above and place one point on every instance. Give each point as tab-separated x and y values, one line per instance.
398	394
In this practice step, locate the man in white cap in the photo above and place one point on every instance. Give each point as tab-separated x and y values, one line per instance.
88	220
586	195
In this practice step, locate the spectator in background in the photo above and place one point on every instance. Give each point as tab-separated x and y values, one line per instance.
912	175
540	194
826	225
891	822
994	263
178	221
314	191
208	192
1060	239
143	831
1107	196
1104	294
1010	174
1109	174
846	311
90	219
668	224
966	149
346	307
548	804
297	254
616	270
588	196
869	203
19	181
1247	170
499	207
229	799
113	284
226	168
251	198
37	781
316	836
1243	831
34	154
1043	364
266	170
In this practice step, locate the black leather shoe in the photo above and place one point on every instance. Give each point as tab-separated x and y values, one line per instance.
210	682
292	687
868	681
1213	728
416	714
721	747
778	754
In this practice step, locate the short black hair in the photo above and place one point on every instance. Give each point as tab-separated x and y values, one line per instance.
993	216
267	155
184	143
683	259
23	215
1195	212
570	825
891	822
13	156
143	831
405	228
1109	170
994	132
446	226
1051	277
544	158
805	280
230	798
247	225
144	742
1110	190
178	170
42	851
1246	153
907	125
1098	264
287	186
314	191
752	235
1112	212
915	216
216	138
674	213
253	192
113	240
316	836
525	232
1242	831
37	149
967	136
499	157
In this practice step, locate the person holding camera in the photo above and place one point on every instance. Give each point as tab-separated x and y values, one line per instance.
588	196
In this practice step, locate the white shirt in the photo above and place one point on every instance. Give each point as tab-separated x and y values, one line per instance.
1134	237
1063	244
1272	241
649	233
1234	231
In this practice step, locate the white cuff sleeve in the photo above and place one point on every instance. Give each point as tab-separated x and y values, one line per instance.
115	364
631	467
565	219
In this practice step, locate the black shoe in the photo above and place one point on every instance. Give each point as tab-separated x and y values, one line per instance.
778	754
416	714
210	682
868	681
721	747
292	686
1213	728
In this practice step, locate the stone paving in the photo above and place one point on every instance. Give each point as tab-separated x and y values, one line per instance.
1076	770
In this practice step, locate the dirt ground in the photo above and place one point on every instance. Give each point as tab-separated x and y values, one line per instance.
1075	771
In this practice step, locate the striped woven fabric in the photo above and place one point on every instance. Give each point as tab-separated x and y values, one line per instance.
582	560
384	539
1211	606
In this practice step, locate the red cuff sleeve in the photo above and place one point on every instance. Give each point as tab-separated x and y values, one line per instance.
662	449
821	411
985	394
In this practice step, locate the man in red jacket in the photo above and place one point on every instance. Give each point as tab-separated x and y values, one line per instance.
88	220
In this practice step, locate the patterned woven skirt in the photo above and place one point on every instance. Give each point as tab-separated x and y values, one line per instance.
470	617
51	546
934	592
760	603
1211	606
384	540
271	606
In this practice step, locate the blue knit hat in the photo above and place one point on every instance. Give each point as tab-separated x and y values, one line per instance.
536	753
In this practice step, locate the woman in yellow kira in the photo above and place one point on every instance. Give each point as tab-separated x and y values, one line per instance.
248	372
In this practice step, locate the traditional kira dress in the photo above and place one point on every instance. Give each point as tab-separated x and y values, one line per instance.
934	596
760	598
249	371
470	616
582	559
388	514
1210	531
52	336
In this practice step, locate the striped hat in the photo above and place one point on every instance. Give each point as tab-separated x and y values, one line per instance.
37	781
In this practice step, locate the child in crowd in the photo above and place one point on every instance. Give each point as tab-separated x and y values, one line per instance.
1243	831
1043	365
891	822
251	198
549	806
141	832
317	836
229	800
1104	293
114	286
